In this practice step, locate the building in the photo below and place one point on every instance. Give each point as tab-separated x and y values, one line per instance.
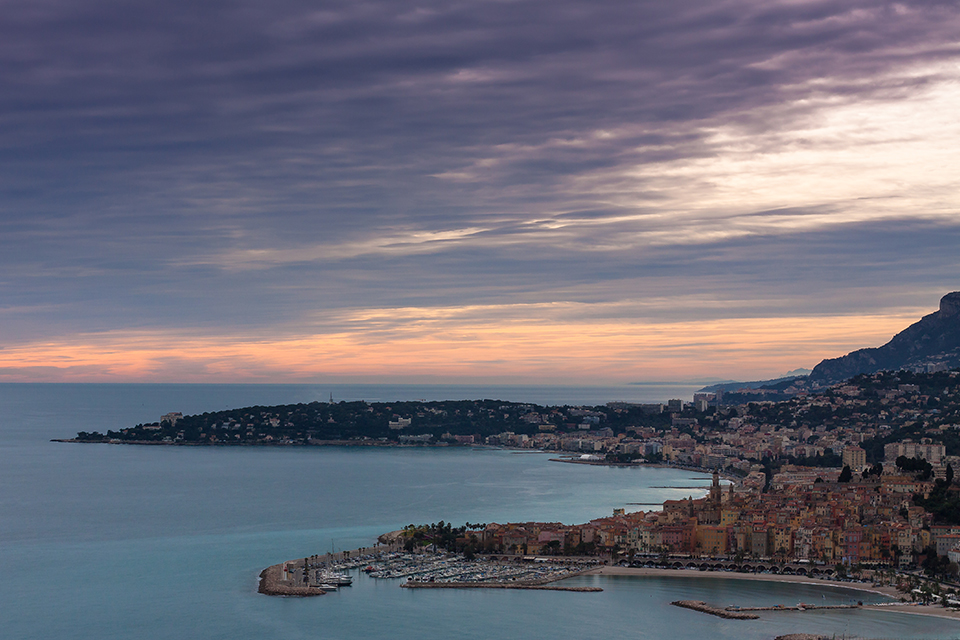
932	453
855	458
399	423
171	418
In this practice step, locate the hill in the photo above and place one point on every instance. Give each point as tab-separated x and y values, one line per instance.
756	384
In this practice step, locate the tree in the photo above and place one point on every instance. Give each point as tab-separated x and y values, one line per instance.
918	466
875	470
846	475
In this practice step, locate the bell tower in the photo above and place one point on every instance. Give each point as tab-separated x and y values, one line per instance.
715	488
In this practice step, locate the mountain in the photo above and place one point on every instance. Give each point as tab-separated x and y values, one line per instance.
931	344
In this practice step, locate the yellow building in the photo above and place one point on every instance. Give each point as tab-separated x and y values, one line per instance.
712	539
855	458
729	517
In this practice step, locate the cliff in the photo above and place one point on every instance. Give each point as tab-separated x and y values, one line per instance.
932	343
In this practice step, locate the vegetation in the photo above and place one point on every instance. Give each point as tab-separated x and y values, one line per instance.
443	421
846	475
442	535
944	501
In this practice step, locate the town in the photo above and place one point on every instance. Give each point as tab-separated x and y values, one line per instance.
858	472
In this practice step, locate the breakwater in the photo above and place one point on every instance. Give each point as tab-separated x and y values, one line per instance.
496	585
796	607
273	584
318	574
703	607
746	613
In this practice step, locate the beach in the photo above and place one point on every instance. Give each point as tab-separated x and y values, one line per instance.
925	610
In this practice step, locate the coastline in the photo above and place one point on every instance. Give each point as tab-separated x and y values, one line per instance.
397	445
434	445
270	583
652	465
925	610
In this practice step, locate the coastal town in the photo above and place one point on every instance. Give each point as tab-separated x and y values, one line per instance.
862	534
844	517
807	526
855	474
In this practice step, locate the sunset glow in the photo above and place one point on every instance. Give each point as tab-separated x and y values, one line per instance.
428	345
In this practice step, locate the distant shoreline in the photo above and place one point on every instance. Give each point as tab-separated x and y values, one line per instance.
315	443
653	465
396	445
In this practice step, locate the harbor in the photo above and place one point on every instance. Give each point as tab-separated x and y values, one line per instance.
320	574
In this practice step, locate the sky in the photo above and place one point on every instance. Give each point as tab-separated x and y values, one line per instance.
515	191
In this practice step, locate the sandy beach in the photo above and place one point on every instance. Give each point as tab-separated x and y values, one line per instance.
933	610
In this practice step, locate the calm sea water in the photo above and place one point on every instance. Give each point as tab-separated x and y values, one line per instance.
101	541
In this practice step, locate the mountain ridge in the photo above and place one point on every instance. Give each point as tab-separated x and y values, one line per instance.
930	344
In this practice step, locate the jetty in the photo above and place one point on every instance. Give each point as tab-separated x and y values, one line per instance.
797	607
496	585
703	607
747	613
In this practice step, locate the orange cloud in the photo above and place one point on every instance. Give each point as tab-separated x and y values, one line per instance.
454	345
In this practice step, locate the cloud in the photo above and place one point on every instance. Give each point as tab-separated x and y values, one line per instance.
183	167
542	343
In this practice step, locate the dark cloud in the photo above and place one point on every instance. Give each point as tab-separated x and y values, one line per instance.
232	163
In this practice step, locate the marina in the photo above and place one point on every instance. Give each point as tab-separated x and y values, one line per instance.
316	575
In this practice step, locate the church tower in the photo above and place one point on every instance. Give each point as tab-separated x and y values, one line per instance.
715	489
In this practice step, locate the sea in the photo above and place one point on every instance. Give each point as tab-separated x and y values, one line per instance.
103	541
